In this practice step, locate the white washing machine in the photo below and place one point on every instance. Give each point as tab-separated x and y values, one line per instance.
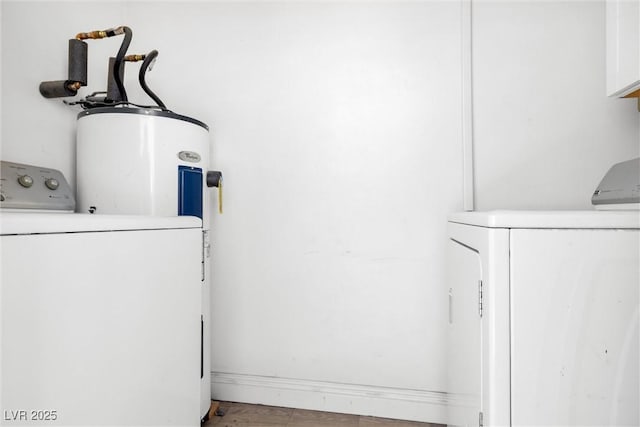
543	318
100	314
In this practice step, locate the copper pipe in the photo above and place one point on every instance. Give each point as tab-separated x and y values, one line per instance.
91	35
134	58
74	85
100	34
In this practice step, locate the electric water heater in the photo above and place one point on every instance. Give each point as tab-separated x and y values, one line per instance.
142	161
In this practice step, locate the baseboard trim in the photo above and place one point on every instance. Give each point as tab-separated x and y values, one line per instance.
387	402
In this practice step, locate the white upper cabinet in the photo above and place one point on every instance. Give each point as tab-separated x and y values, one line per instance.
623	47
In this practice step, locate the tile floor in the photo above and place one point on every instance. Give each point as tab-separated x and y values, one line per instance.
246	415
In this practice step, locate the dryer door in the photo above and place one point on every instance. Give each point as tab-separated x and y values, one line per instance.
464	371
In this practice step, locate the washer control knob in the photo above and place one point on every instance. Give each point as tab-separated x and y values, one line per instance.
52	183
25	181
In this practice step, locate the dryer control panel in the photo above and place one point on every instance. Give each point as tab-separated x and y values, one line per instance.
620	186
34	187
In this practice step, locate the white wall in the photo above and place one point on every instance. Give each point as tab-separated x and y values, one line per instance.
338	128
544	132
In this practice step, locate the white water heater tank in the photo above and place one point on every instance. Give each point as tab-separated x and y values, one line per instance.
142	162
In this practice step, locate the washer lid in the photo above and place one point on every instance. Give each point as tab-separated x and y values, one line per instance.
12	223
549	219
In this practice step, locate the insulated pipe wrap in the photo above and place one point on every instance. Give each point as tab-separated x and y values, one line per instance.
118	70
113	91
78	54
57	89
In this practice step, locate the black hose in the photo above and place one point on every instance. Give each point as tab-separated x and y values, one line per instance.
128	34
143	70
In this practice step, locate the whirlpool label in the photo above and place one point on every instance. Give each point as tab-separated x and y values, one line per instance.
189	156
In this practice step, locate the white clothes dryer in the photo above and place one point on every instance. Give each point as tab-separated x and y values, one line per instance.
543	318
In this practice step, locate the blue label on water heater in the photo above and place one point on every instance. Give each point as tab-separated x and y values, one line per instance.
190	191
